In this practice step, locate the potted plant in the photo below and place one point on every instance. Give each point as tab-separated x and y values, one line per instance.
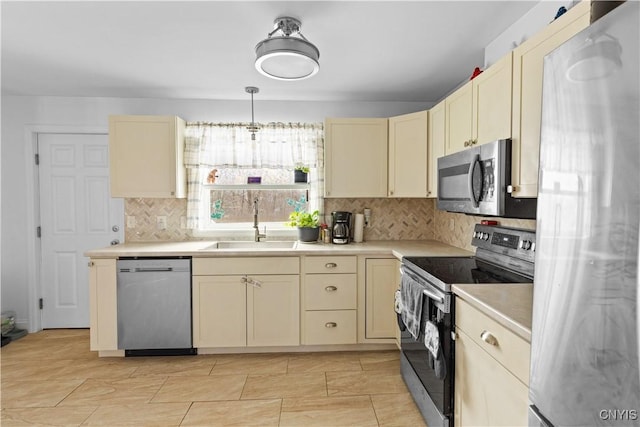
308	225
301	174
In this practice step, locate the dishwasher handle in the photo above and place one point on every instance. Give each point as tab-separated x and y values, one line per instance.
146	269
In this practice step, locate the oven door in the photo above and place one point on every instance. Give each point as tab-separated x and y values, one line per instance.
474	180
424	373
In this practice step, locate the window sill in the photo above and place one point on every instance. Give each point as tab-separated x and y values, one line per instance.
303	186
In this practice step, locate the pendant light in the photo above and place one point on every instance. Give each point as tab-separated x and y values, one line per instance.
286	57
253	127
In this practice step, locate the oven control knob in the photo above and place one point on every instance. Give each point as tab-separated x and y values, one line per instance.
475	234
526	245
533	246
486	236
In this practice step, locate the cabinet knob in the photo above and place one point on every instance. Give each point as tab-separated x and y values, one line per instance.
330	289
90	264
391	192
466	143
331	265
330	325
489	338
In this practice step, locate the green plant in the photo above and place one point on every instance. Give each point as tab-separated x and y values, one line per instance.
301	168
304	219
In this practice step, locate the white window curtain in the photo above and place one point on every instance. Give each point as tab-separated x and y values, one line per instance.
277	145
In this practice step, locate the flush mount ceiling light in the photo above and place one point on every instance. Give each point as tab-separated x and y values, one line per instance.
286	57
253	127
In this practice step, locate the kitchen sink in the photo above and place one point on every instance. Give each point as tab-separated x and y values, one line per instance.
252	245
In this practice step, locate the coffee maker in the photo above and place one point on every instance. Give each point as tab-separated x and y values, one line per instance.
340	227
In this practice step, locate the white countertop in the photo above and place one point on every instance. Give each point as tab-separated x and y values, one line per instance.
509	304
198	248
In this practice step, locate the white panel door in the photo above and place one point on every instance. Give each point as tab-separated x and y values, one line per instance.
76	214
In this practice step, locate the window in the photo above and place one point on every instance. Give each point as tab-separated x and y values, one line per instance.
225	154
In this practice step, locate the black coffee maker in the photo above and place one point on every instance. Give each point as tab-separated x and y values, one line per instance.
340	227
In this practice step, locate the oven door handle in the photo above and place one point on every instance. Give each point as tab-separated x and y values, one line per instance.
437	298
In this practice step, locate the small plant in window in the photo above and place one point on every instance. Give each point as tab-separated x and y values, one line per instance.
298	205
301	173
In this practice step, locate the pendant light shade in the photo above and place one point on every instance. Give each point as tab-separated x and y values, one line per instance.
286	57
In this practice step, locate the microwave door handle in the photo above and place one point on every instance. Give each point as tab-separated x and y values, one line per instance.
472	167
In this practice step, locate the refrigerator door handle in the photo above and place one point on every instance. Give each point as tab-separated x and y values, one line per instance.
536	419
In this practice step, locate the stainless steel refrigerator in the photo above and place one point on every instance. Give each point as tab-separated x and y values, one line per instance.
584	356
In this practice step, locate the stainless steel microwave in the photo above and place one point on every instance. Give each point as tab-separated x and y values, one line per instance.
475	181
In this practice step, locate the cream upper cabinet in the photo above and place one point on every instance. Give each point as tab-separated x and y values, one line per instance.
355	157
408	158
234	305
480	111
435	146
527	95
103	305
381	284
458	116
491	372
146	156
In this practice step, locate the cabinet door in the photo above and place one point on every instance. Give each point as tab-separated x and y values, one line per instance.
486	394
219	311
273	310
435	146
492	102
380	287
527	95
459	120
103	305
408	165
356	158
146	156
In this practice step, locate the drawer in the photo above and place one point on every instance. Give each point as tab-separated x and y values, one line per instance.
330	327
330	264
503	345
248	265
330	291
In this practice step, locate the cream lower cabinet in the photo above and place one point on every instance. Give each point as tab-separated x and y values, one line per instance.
408	163
103	305
243	307
380	286
330	300
491	372
527	95
355	157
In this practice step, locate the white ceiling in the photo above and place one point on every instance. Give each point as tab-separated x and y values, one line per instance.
369	51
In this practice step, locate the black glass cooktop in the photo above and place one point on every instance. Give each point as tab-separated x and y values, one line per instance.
461	270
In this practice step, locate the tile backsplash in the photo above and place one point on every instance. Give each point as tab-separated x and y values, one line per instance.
391	219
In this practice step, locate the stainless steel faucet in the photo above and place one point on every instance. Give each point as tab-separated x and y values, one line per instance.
256	230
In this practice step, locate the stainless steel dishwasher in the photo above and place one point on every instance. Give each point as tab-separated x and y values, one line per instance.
154	306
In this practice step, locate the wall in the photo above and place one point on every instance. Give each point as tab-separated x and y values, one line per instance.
19	198
533	21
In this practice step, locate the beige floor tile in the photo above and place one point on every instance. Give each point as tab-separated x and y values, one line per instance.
148	414
251	364
234	413
375	361
328	411
26	394
324	362
192	389
175	366
366	382
17	369
285	385
32	417
397	410
114	392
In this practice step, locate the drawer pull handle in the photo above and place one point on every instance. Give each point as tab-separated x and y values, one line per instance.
330	289
331	265
489	338
331	325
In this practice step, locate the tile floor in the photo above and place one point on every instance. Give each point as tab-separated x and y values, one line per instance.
51	378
